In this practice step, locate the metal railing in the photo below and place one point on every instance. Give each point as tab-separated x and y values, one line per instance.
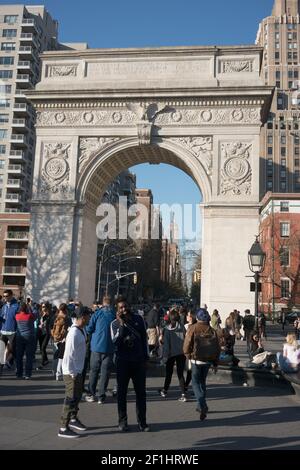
15	252
14	270
17	235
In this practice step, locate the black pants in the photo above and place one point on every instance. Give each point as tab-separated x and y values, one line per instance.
43	342
136	371
180	363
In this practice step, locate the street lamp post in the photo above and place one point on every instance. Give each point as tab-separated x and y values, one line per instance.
256	260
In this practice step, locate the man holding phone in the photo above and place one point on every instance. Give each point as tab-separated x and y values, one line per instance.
129	336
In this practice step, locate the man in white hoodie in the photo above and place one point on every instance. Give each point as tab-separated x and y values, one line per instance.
72	367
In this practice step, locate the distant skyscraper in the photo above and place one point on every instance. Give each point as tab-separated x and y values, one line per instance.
280	139
25	31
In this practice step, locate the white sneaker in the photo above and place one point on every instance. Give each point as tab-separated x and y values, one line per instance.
182	398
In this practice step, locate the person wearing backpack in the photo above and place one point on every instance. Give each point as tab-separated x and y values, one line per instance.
201	346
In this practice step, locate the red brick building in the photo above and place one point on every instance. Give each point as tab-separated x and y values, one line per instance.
14	230
280	239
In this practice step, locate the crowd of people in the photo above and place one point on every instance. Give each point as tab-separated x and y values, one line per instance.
106	336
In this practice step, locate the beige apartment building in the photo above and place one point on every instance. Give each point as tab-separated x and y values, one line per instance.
279	34
25	31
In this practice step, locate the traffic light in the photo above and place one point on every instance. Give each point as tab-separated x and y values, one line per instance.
135	278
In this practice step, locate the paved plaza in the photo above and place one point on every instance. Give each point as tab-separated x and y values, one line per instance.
239	417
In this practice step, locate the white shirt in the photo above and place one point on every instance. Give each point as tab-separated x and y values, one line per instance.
292	354
75	351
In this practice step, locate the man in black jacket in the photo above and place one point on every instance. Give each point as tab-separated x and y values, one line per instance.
129	336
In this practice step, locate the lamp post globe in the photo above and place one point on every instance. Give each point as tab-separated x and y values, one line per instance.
256	260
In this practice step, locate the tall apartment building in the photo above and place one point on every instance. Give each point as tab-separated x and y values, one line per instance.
279	34
25	31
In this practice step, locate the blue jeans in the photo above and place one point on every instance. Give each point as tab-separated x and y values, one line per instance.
284	364
199	374
101	363
24	345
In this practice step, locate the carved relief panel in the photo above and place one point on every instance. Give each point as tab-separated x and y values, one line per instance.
55	171
235	177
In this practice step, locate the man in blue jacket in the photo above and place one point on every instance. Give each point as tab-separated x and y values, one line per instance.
101	350
8	324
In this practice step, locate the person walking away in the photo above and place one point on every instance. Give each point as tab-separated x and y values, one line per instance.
215	320
43	332
9	326
249	325
101	350
262	325
153	320
191	319
173	338
129	336
61	326
72	367
25	340
289	360
201	346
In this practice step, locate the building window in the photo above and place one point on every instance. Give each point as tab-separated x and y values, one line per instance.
8	46
270	139
284	229
9	33
284	255
283	151
5	74
279	102
295	56
276	45
283	185
283	139
2	149
6	61
282	174
296	161
5	89
4	118
290	84
277	75
270	185
296	74
278	84
270	150
284	206
270	125
2	164
285	288
270	162
277	56
296	150
10	19
290	55
4	103
3	133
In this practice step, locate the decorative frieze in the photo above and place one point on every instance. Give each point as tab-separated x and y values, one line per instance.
236	172
200	147
236	66
169	116
89	147
56	171
62	70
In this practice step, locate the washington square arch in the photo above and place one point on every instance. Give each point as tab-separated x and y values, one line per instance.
100	111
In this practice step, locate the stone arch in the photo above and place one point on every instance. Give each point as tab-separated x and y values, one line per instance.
126	153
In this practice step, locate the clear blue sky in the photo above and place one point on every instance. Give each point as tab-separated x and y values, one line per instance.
138	23
134	23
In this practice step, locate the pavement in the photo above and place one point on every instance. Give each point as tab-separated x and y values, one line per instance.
240	418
